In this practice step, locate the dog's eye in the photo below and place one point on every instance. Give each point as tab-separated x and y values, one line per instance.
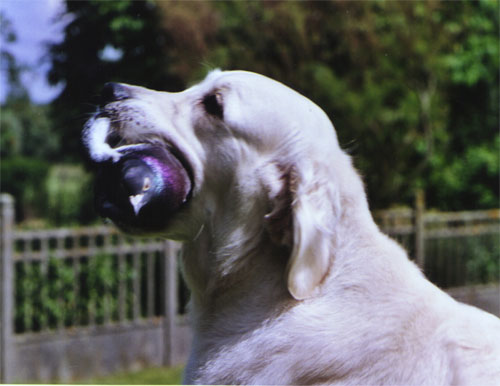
213	105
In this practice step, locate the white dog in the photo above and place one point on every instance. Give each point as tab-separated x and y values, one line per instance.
291	280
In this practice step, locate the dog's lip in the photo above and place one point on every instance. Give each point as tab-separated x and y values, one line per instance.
160	139
177	153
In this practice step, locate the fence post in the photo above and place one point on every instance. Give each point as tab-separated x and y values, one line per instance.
170	301
6	285
420	229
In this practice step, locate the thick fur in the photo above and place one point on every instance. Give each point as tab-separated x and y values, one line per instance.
292	282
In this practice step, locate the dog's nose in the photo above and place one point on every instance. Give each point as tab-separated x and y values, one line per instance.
112	92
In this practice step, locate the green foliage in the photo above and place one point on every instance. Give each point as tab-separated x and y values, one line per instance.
69	195
27	131
102	280
412	87
45	296
62	194
61	293
12	69
462	261
416	79
473	60
131	28
462	177
484	264
24	178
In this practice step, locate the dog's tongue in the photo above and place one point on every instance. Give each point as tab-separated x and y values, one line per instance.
144	188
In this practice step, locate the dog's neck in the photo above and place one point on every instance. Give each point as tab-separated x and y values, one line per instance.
218	289
234	265
225	261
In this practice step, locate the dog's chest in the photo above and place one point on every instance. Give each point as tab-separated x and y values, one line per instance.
245	358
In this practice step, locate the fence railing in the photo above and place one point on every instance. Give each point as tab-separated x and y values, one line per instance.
453	248
85	276
75	302
86	301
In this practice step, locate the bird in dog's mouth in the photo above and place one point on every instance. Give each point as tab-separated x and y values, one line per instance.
138	186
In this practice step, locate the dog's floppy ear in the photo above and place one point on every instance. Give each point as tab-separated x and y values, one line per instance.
315	208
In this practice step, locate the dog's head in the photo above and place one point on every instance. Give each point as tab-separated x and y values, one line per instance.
238	151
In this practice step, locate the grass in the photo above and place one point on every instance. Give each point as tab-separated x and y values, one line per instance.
151	376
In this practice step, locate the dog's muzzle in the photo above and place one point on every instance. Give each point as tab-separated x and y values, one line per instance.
140	187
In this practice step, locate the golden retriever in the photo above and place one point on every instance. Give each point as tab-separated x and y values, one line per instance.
291	280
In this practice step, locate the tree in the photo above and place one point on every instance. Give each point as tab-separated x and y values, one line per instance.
412	87
16	90
26	130
407	84
466	174
105	41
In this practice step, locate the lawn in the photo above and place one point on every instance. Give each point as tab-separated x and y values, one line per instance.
151	376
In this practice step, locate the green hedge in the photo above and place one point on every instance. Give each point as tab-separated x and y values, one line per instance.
69	195
60	294
24	178
59	194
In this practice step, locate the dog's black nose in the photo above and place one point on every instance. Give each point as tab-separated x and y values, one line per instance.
112	92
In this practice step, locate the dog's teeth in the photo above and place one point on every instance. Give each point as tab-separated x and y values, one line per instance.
95	139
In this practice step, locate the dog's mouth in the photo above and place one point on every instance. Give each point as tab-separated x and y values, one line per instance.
139	186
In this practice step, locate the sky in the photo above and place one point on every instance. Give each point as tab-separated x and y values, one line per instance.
35	23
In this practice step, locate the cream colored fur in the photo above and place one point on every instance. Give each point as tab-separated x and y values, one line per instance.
292	282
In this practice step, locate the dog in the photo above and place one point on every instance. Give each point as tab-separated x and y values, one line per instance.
291	280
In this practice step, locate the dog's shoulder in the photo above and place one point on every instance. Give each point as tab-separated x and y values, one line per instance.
471	339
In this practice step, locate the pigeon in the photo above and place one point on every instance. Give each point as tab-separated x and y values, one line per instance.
143	188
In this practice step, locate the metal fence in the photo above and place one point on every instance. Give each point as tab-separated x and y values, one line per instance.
452	248
86	301
79	302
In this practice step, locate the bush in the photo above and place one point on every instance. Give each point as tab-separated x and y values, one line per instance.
70	196
48	297
62	194
27	131
72	293
461	261
24	177
484	265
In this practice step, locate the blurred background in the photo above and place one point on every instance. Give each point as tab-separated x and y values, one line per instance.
411	87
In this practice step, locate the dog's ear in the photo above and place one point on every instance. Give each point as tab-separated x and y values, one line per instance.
315	208
303	218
